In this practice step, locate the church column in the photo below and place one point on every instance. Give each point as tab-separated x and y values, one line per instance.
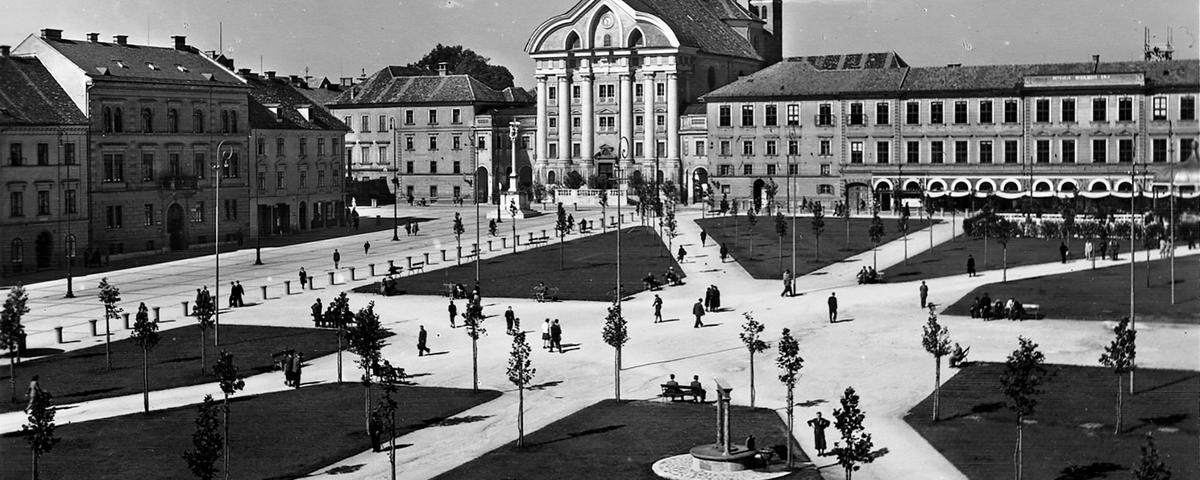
625	148
648	141
564	120
672	123
542	127
588	122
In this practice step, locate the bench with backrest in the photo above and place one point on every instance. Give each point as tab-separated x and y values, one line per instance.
539	240
417	267
680	392
471	254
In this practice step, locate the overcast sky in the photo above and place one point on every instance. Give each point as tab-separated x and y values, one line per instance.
341	38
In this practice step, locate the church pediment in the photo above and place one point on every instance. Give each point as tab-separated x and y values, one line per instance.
599	25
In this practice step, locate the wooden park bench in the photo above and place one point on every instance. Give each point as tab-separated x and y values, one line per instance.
471	254
1032	311
680	392
417	267
539	240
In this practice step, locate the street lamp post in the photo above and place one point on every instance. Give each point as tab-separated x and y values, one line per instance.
220	165
620	173
70	251
395	182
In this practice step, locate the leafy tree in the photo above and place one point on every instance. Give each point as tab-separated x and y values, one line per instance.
39	431
616	334
902	226
936	340
818	226
145	335
338	313
573	180
560	227
461	61
752	337
520	373
1023	376
781	229
203	310
733	212
512	214
109	296
458	232
206	440
752	219
789	363
231	382
875	231
1066	207
473	323
11	330
1119	356
366	339
389	378
1150	466
855	447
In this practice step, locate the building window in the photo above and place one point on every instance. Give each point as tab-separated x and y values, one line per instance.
304	179
748	169
1125	150
433	120
43	154
16	204
114	214
985	151
747	115
148	213
748	148
913	152
772	115
1159	150
260	146
825	189
1187	108
433	193
1099	150
365	124
1185	148
1011	155
772	149
1041	110
457	166
793	114
1043	151
882	113
231	209
383	155
410	167
70	202
1010	111
114	167
771	169
1125	109
1099	109
456	142
725	170
725	148
320	146
985	111
608	123
433	167
551	93
856	152
1068	110
147	167
960	151
660	120
198	121
147	120
882	152
260	180
199	165
281	149
576	122
960	112
825	114
699	148
935	113
279	180
408	117
68	150
793	147
639	121
826	148
303	147
432	142
639	91
408	143
856	114
608	93
793	169
660	90
576	148
936	151
912	113
16	155
1068	151
382	123
552	150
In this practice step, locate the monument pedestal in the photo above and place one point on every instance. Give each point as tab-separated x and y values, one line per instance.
508	200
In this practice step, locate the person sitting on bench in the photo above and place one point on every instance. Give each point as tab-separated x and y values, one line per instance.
650	281
672	382
699	389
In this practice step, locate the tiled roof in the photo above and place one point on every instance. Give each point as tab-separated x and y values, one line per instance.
390	86
29	95
114	62
828	75
698	23
279	92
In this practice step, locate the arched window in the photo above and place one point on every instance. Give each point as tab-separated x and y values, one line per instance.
107	126
147	120
550	178
17	251
224	121
572	41
197	121
118	121
607	40
636	40
173	120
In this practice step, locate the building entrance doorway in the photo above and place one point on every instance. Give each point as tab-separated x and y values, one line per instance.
175	227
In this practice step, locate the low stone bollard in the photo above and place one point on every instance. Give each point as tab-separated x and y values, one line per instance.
58	332
125	316
530	237
503	242
331	277
391	266
312	283
543	233
409	263
426	259
94	332
378	221
185	309
489	245
372	267
443	254
287	287
157	317
264	292
351	274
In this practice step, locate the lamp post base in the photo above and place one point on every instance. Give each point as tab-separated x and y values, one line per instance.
521	200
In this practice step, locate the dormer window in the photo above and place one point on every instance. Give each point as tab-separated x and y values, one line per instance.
151	66
120	63
181	68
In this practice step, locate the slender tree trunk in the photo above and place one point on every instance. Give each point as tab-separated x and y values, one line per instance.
1005	264
339	355
937	384
791	426
226	438
1117	428
751	379
617	373
107	338
145	381
1017	451
474	364
203	339
906	247
520	415
35	466
12	376
392	444
875	256
367	406
816	251
847	233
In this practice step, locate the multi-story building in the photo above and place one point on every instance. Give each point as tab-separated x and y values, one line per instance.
614	78
418	130
297	159
853	127
166	125
42	138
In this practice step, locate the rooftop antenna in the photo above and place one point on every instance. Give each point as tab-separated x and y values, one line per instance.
220	38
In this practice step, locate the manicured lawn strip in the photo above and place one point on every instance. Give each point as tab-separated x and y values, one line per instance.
588	272
275	435
950	258
80	375
1103	294
978	432
622	440
765	263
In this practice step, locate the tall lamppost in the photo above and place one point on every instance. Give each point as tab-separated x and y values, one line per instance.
395	181
70	244
220	165
619	171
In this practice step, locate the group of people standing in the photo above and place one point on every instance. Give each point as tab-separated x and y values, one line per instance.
552	335
292	364
237	294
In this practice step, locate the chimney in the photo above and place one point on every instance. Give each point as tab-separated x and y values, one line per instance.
93	37
3	50
180	42
120	39
270	74
442	66
243	71
51	34
1095	63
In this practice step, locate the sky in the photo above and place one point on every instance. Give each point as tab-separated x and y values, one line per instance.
345	38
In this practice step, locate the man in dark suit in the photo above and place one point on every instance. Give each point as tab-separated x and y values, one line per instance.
698	311
422	338
699	388
833	308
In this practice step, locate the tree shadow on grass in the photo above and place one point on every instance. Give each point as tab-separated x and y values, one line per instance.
1087	472
345	469
978	409
582	433
97	391
180	360
1175	382
569	347
452	421
544	385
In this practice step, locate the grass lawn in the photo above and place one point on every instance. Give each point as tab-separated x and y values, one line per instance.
272	436
587	273
1070	436
950	258
1103	294
765	263
622	440
80	375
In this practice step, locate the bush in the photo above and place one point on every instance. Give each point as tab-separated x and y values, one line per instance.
573	180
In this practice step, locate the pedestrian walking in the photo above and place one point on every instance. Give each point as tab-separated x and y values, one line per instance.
241	294
422	339
1063	251
570	223
556	336
682	253
546	334
318	319
703	237
34	391
509	317
657	308
698	311
297	368
366	248
924	293
453	312
787	284
708	295
375	430
407	228
716	299
833	307
288	368
492	227
416	228
724	252
1089	250
337	258
1116	249
232	294
819	424
970	265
